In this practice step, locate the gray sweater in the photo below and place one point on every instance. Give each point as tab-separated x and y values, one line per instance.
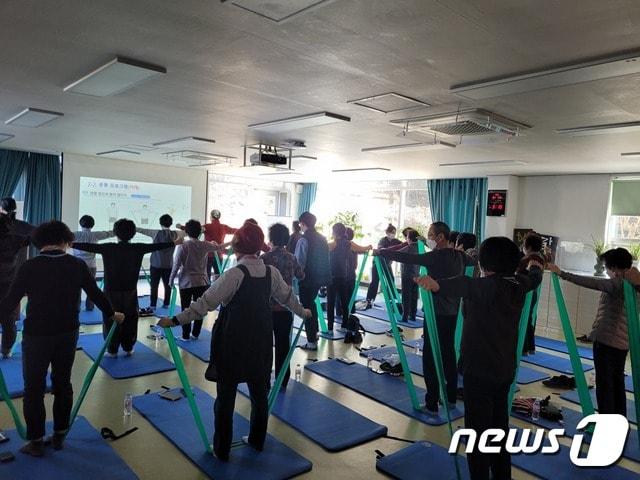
610	326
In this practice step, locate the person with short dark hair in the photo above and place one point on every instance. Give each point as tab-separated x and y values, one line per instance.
10	247
466	241
52	282
190	266
453	238
288	267
489	342
408	286
161	262
296	235
532	247
122	262
609	331
9	207
388	241
87	235
312	253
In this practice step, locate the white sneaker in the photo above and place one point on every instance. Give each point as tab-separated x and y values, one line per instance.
312	346
110	355
129	353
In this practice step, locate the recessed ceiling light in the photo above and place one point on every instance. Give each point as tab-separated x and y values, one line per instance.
623	127
5	136
630	154
388	102
185	142
570	74
33	117
297	123
498	163
114	77
116	153
410	147
372	169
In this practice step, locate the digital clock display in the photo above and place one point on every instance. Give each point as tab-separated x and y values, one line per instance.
497	203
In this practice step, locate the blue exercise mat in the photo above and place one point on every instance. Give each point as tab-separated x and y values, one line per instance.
12	371
143	362
628	383
93	317
553	362
385	389
85	455
560	346
175	421
159	311
571	418
525	375
422	461
328	423
370	325
200	348
331	335
381	314
572	397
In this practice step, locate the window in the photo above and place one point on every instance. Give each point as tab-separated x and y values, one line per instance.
623	226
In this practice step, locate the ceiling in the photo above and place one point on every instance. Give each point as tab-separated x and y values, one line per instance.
228	68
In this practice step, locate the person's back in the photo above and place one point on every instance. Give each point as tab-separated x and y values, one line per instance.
163	258
340	259
10	247
317	270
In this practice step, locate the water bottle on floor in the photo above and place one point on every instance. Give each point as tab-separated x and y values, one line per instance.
369	361
535	409
128	404
298	372
418	351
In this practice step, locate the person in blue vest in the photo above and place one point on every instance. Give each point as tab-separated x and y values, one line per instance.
242	337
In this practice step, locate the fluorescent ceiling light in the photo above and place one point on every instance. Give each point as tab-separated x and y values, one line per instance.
410	147
625	154
116	153
586	71
302	121
116	76
498	163
185	142
304	157
389	102
195	155
287	172
139	147
33	117
600	129
372	169
5	136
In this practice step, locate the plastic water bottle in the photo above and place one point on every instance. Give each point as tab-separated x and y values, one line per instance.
128	404
298	372
369	361
591	382
535	410
418	351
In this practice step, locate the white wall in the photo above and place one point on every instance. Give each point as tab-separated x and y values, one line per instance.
76	166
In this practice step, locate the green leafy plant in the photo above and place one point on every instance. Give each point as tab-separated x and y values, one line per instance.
634	250
348	219
598	246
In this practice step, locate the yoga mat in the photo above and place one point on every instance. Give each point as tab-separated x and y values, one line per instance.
93	317
422	461
174	420
326	422
12	371
370	325
560	346
570	421
525	375
553	362
572	397
159	311
85	455
385	389
381	314
200	348
334	335
628	383
143	362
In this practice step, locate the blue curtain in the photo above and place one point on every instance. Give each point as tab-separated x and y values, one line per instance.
307	197
12	164
43	188
460	202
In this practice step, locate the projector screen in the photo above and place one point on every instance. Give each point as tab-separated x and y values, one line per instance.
108	199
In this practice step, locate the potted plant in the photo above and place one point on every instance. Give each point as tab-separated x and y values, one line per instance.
634	250
598	247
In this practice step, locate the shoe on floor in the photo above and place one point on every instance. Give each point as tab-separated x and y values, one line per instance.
110	355
56	440
560	381
245	440
129	353
429	411
194	337
33	448
311	346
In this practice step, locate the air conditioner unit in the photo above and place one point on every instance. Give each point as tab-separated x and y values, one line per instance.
269	159
465	122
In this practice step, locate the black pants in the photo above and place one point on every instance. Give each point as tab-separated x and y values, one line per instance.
126	333
485	407
308	294
282	322
212	265
8	321
88	304
156	275
187	295
223	416
38	353
372	291
446	325
409	298
338	288
610	389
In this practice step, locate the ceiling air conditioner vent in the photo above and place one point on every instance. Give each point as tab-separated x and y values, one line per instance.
464	122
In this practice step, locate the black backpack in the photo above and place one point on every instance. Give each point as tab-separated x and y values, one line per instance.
354	329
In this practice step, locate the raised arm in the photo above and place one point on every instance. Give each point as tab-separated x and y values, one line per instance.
355	248
90	247
147	232
99	236
154	247
606	285
423	259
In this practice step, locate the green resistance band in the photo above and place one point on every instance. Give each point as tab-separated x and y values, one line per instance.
273	394
101	284
226	261
15	344
321	320
389	302
391	283
90	374
215	255
630	303
534	311
431	331
522	333
581	383
146	275
4	392
460	320
168	333
352	301
388	290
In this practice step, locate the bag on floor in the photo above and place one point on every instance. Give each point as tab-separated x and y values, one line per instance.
391	364
549	411
354	330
